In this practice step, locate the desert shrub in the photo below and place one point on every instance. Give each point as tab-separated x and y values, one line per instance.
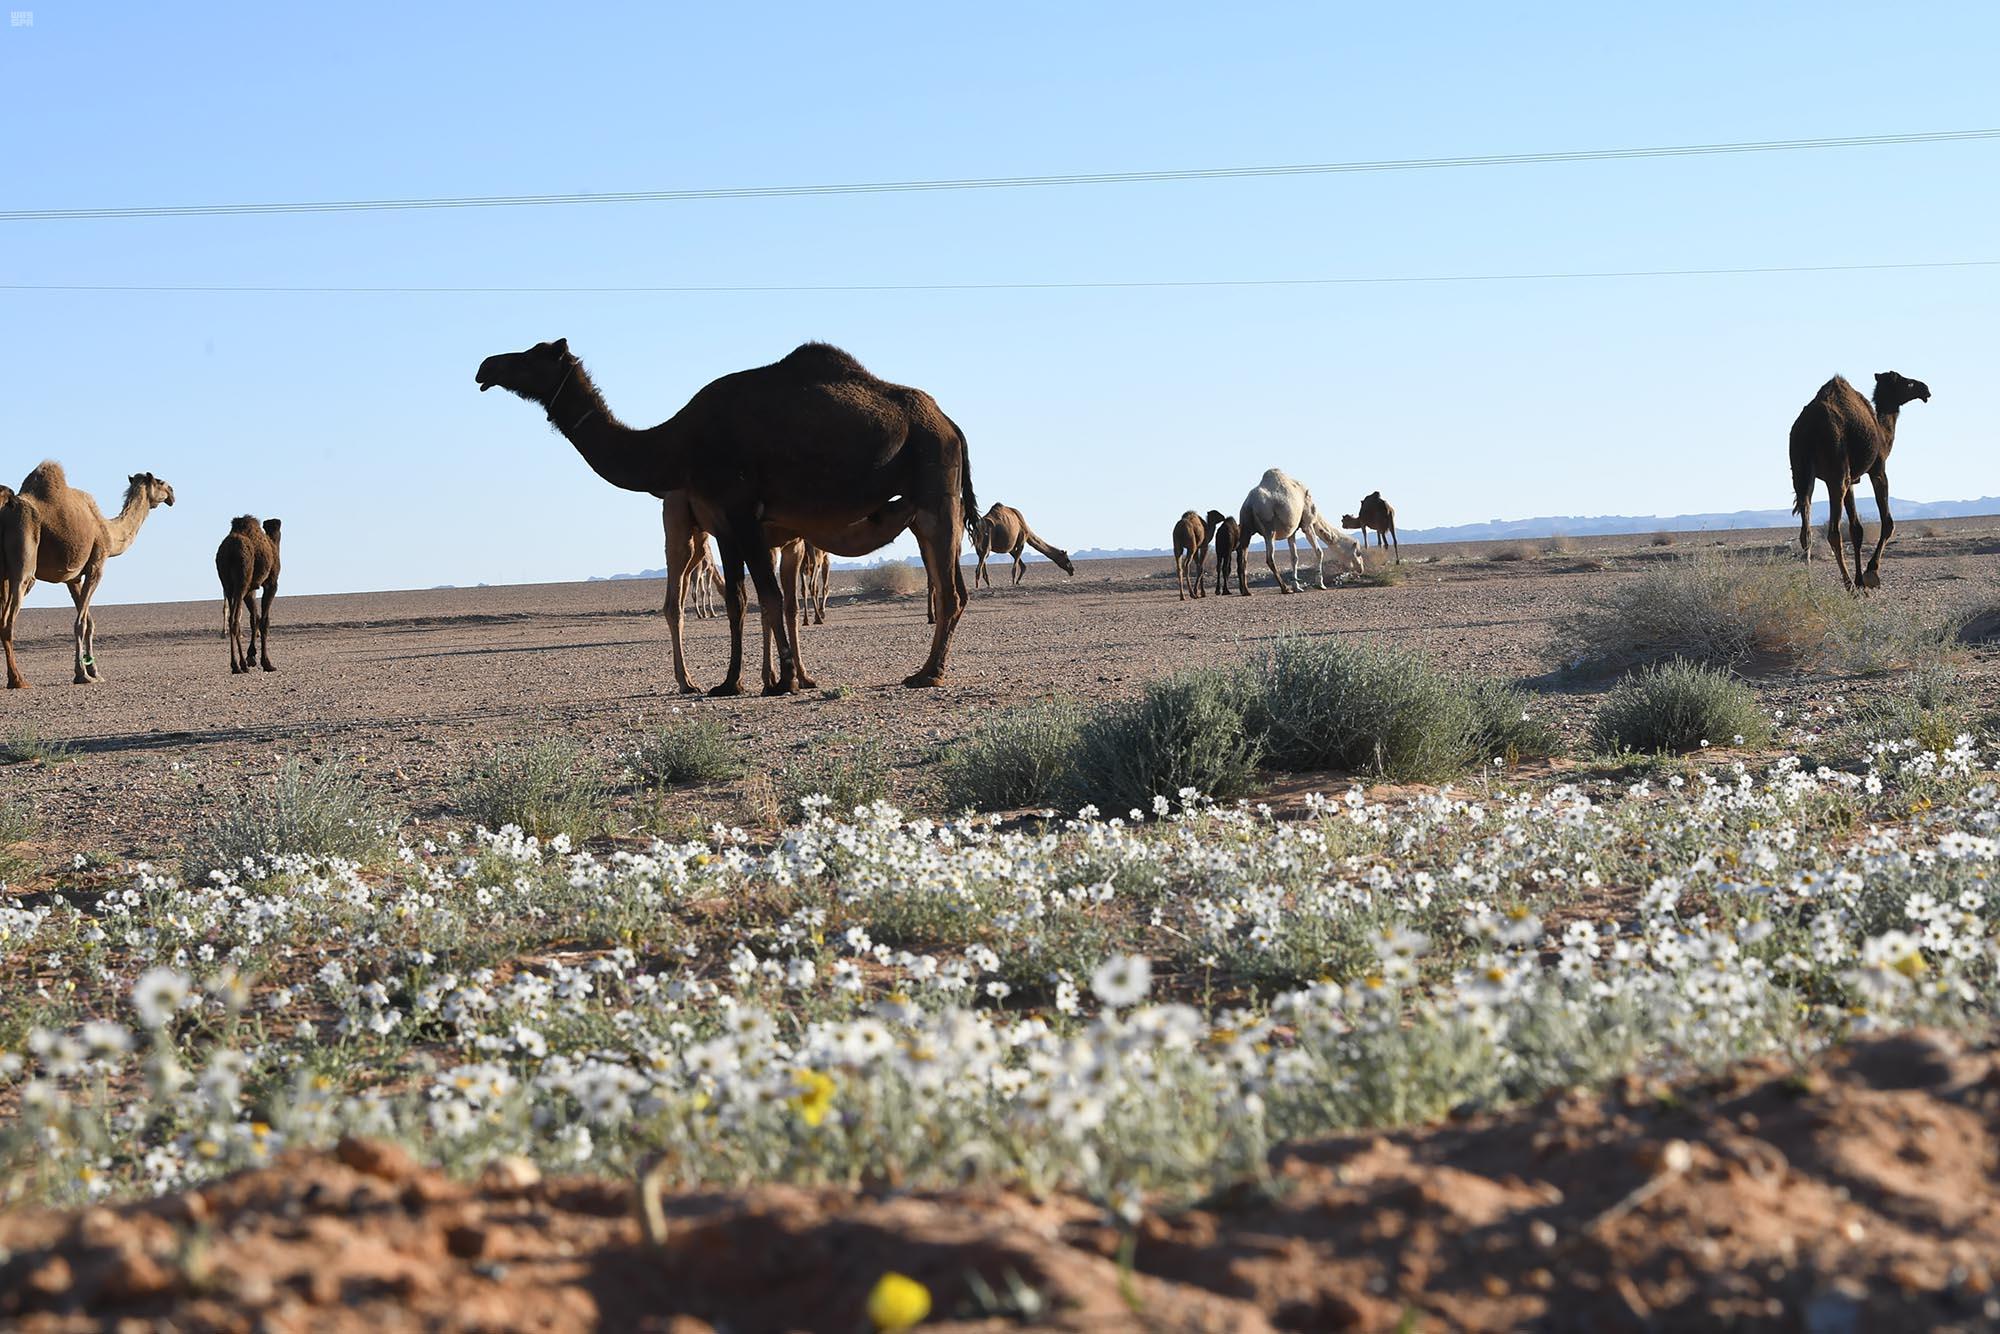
1931	705
847	772
1679	706
1017	758
693	750
1662	539
891	578
1517	551
18	824
314	810
27	746
542	787
1558	546
1185	731
1709	609
1375	708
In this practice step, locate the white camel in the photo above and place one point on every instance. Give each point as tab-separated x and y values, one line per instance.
1281	507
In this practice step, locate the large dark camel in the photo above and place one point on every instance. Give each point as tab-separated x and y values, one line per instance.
247	563
52	532
1003	530
1377	516
1227	535
1838	438
1191	539
812	446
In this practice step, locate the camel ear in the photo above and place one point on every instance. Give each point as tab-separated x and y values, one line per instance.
561	346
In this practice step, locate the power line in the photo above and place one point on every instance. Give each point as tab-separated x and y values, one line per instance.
260	289
994	182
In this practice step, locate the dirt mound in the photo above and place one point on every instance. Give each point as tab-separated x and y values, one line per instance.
1858	1195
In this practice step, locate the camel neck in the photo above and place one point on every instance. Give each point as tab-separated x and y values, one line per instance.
125	527
629	459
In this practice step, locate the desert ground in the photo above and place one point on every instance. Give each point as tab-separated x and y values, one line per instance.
417	687
1601	1094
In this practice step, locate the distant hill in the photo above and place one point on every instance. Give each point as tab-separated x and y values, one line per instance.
1557	525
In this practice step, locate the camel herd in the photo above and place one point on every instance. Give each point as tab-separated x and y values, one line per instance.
812	455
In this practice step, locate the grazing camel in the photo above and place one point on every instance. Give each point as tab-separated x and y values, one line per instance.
1280	506
1377	516
51	532
1191	539
247	562
1002	529
811	446
1837	438
1226	533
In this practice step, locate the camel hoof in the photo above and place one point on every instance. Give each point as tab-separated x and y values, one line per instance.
690	688
924	679
1871	580
268	667
806	683
726	689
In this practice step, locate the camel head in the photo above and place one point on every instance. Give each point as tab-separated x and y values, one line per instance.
1893	390
1215	519
537	374
1061	558
274	527
155	491
1349	521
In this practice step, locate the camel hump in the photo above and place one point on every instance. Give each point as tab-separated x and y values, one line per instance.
6	496
243	523
825	361
45	481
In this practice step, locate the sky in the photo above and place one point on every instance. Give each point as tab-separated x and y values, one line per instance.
1100	413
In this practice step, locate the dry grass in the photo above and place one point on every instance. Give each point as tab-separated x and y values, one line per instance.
891	578
1755	614
1663	539
1516	551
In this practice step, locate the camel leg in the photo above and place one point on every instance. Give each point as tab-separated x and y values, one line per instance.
1180	574
771	611
264	622
1878	477
732	603
979	574
684	542
16	553
233	605
1292	545
1319	558
1020	567
793	571
1242	559
79	592
1835	498
937	538
1396	543
1854	532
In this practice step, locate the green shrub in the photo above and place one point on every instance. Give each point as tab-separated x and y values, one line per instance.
891	578
1185	731
1679	706
694	750
848	773
1931	705
27	746
18	824
544	787
1017	758
1765	612
314	810
1326	703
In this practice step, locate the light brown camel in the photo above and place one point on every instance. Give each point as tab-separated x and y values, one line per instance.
811	446
1226	534
1377	516
818	576
1191	539
1837	438
247	562
1002	529
56	534
705	585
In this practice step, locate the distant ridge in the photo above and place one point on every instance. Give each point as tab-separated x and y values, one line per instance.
1563	525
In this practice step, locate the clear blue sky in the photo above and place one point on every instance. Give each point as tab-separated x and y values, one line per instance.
1102	414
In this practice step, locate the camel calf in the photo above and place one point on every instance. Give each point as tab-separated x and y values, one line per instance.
1227	535
1377	516
1191	538
246	562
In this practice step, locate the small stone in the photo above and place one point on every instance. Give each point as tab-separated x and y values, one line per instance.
134	1276
1542	1233
467	1241
510	1174
51	1278
376	1158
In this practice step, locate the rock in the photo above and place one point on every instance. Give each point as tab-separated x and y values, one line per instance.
376	1158
510	1174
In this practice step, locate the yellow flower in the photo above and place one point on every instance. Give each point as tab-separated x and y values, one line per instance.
898	1303
814	1098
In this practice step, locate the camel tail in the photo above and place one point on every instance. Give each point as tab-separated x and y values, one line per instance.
1054	553
1802	479
966	497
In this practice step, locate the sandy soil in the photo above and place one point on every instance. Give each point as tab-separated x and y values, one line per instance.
420	685
1856	1196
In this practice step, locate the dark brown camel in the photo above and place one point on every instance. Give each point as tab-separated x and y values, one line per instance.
1003	530
1377	516
1190	541
1227	536
811	446
246	562
1838	437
